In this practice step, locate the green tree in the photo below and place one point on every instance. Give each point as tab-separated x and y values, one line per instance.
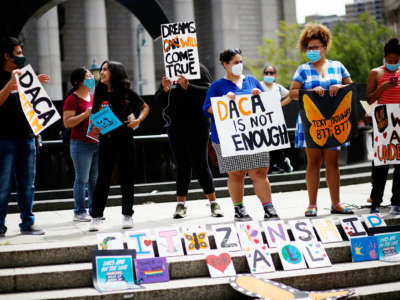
359	46
283	55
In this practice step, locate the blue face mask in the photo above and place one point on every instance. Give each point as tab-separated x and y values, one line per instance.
269	79
391	67
89	83
313	55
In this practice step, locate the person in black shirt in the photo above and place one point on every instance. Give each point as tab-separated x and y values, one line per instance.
188	135
117	146
17	144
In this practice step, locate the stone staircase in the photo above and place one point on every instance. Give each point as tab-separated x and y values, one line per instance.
165	191
64	271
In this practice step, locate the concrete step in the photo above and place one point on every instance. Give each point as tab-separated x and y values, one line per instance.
170	185
194	194
61	277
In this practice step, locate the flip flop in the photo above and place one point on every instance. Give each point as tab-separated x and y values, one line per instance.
346	211
311	211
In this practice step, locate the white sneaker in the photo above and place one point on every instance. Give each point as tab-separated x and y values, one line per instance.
127	222
81	218
95	224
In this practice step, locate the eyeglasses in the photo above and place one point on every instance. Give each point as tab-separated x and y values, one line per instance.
269	72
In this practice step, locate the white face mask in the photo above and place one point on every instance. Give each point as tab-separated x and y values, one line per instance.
237	69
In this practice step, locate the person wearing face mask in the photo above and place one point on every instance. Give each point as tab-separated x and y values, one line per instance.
320	75
17	143
256	165
183	112
383	86
84	150
279	163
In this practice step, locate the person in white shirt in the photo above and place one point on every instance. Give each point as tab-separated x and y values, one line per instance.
279	163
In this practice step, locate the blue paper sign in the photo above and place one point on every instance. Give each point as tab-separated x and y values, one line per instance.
388	244
106	120
113	270
364	248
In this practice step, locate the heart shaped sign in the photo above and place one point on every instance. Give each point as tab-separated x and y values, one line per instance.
220	262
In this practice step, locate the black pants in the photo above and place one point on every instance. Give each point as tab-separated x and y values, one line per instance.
118	149
379	177
189	144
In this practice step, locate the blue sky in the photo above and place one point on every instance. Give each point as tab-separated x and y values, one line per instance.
320	7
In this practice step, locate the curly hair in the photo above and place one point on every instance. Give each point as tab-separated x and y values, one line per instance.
392	46
314	31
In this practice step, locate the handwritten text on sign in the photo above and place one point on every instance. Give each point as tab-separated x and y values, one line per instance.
180	50
386	122
250	124
36	104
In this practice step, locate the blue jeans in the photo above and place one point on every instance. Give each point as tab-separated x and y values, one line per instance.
85	157
17	160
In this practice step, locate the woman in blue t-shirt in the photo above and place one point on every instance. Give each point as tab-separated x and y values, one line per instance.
256	165
322	76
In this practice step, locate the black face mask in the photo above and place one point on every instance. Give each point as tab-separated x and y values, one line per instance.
19	61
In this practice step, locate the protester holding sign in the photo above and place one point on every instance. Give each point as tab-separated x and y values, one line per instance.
321	76
383	86
17	143
84	150
256	165
279	163
183	104
117	146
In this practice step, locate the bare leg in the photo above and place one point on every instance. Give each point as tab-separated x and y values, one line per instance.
236	185
314	159
262	188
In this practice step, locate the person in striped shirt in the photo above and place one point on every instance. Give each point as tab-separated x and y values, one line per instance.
383	86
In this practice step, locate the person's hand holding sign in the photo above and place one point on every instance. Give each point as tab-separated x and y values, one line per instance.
183	82
334	89
255	91
231	95
43	78
319	90
166	84
14	75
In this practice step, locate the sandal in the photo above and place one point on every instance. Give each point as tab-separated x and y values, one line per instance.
346	211
311	211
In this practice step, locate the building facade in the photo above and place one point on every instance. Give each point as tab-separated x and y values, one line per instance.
79	32
392	14
373	7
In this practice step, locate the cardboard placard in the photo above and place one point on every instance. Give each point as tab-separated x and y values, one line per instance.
36	104
275	232
151	270
226	237
169	242
388	244
220	264
249	234
302	230
327	121
364	248
386	124
327	231
181	56
315	255
352	226
250	124
113	270
110	241
141	241
196	239
291	256
106	120
373	220
259	259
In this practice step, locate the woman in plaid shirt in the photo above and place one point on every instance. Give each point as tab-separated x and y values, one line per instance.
322	76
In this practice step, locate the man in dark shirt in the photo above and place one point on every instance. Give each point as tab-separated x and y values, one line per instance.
17	143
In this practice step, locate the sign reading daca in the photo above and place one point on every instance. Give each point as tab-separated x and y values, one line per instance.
180	50
386	122
327	121
250	124
36	104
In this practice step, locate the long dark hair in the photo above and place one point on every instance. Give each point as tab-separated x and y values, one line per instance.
119	84
77	76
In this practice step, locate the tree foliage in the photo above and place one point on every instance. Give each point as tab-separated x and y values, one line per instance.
359	46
